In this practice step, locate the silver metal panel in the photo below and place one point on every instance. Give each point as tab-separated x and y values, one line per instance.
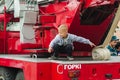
30	17
27	34
16	8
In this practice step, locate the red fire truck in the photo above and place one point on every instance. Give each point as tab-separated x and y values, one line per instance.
28	26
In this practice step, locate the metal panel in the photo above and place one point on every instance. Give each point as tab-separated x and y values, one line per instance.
30	17
16	8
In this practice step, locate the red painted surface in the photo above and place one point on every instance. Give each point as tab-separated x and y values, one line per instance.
1	17
31	70
88	71
59	71
50	17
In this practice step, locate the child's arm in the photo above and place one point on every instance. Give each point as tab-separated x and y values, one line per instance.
52	43
82	40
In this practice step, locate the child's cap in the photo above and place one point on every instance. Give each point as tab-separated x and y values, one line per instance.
114	38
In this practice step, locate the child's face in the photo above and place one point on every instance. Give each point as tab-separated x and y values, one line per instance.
113	43
63	33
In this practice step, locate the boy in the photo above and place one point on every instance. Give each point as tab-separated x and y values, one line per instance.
63	42
112	45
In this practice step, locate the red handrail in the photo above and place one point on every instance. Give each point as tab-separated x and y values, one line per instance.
5	24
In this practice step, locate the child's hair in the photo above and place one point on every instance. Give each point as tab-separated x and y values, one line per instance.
63	27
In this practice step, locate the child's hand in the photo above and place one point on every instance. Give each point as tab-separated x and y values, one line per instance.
50	49
92	45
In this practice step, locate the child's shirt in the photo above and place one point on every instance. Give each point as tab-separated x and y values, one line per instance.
112	50
68	40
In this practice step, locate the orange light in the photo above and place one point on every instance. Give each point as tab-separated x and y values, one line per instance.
73	73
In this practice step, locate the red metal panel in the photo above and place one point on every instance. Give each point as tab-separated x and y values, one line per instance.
51	16
1	42
47	19
95	71
31	70
58	70
44	71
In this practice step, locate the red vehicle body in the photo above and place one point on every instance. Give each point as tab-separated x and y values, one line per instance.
91	19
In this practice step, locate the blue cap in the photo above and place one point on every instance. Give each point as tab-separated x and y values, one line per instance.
114	38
